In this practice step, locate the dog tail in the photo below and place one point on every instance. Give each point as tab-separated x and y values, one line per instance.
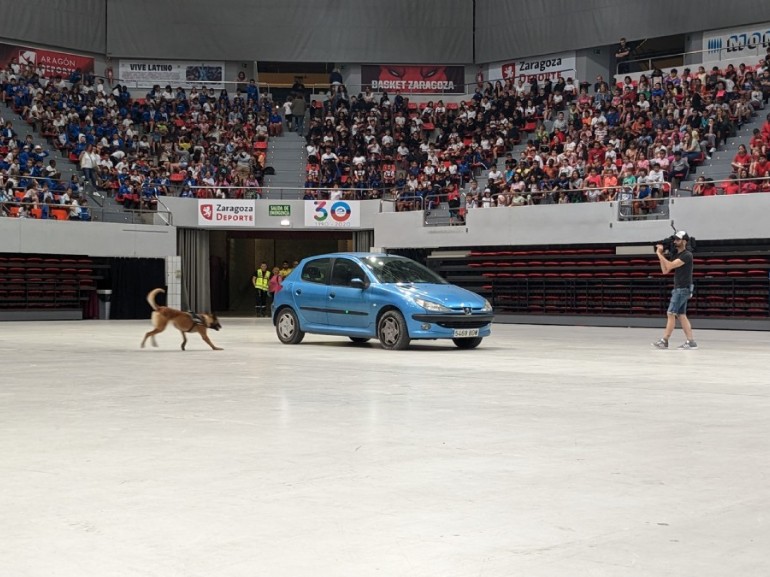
151	297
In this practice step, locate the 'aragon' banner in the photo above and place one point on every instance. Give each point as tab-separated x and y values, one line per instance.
52	63
412	79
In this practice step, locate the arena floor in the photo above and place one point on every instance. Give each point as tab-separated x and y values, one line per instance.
549	451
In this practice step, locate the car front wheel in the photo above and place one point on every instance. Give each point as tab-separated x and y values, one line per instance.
392	332
468	343
287	327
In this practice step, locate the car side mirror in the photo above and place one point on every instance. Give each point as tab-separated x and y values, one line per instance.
358	283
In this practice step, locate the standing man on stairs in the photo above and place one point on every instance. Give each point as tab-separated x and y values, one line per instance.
261	282
298	112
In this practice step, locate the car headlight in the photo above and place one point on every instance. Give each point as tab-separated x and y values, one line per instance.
487	307
431	306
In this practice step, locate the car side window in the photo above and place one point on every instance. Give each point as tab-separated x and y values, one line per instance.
344	271
317	270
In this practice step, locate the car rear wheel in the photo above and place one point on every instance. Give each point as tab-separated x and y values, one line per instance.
287	327
468	343
392	332
359	340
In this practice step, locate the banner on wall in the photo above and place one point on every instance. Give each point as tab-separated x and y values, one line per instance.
229	212
177	73
52	62
414	79
332	214
542	67
734	41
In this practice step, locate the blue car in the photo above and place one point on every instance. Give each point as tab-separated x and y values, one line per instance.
367	295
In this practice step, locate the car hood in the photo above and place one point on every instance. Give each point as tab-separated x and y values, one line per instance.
450	296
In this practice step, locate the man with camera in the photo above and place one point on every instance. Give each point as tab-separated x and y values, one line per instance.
681	265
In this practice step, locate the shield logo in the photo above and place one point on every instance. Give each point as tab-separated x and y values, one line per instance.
207	211
27	57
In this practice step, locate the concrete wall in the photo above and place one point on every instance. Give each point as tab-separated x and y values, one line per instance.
709	218
593	62
98	239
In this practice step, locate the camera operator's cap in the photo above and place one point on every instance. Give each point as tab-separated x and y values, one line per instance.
682	235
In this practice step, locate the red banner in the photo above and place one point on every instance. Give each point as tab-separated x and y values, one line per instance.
53	63
412	79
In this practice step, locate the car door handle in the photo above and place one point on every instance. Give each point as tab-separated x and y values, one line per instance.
332	295
298	292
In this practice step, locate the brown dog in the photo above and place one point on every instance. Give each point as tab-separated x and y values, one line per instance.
185	322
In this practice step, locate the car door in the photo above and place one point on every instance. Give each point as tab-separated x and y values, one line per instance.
348	306
310	292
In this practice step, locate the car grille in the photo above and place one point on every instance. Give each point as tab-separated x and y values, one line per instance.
462	323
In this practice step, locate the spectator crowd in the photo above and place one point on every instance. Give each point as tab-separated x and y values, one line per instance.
580	141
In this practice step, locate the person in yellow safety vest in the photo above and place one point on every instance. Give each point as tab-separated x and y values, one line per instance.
261	282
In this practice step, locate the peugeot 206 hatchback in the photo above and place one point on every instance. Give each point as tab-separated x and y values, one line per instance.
367	295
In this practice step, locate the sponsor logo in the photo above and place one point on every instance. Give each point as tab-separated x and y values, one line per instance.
542	69
337	214
413	85
236	212
27	57
339	211
738	42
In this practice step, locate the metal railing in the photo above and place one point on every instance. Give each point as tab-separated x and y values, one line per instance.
439	209
100	210
281	193
324	89
86	213
690	58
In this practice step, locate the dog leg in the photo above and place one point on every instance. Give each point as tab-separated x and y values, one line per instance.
205	337
150	335
159	325
184	339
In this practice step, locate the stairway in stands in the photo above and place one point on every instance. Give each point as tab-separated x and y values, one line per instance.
287	156
24	129
719	166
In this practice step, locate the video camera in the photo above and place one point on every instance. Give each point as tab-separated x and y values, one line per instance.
669	249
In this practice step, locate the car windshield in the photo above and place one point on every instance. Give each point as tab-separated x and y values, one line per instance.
392	269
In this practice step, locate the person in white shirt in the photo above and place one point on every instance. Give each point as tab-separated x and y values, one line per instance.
495	175
329	156
312	151
74	209
655	178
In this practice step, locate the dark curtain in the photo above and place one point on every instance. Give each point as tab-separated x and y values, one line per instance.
193	247
218	268
130	280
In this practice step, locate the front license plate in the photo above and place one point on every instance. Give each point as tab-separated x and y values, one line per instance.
461	333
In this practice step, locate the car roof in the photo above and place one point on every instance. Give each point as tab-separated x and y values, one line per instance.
353	254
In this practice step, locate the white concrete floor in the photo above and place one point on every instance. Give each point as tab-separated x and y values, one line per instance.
549	451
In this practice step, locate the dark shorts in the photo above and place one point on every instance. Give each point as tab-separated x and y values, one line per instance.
678	303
